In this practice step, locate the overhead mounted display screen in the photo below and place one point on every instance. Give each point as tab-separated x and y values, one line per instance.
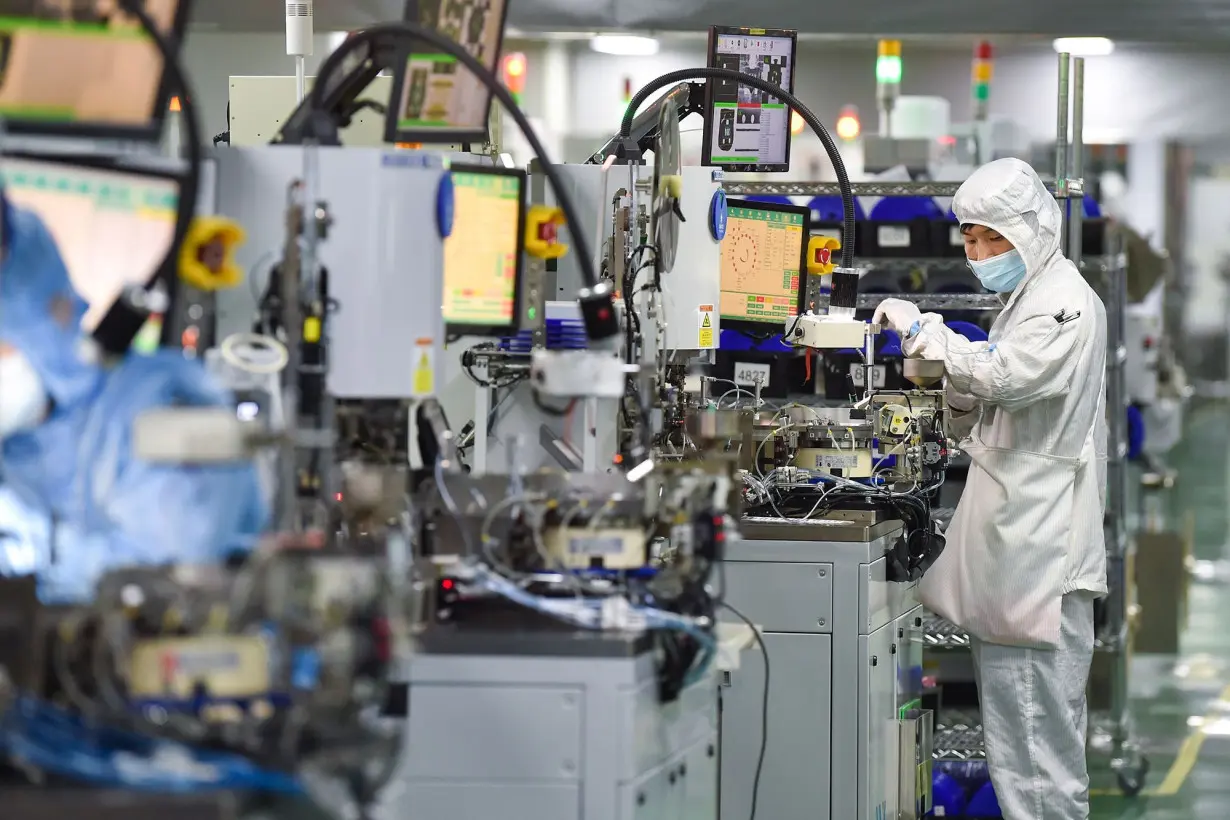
435	98
747	129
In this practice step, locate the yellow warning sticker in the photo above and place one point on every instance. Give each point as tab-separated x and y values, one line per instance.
705	323
424	368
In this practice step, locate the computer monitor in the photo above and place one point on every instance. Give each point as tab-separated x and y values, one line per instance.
483	254
113	227
763	265
748	130
436	99
84	68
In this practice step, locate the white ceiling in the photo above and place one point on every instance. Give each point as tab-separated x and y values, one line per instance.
270	15
1206	21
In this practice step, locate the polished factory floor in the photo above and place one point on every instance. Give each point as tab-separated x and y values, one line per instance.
1181	705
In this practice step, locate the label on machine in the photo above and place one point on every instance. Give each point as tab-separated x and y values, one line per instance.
424	368
704	322
750	375
893	236
879	374
836	462
596	545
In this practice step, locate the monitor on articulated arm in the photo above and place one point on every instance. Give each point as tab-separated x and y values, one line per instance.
84	68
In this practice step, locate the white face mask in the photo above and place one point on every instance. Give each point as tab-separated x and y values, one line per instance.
23	400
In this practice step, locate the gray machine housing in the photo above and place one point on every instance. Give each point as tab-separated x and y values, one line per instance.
383	251
554	727
693	283
845	656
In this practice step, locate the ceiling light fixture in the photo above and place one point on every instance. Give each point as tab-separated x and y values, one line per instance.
624	45
1085	46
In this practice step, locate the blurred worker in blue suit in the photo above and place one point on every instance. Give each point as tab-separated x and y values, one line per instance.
74	501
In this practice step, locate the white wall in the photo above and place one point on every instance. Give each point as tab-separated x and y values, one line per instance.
212	57
1136	93
1133	94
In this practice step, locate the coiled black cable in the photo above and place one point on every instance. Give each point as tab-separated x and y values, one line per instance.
411	32
118	328
830	147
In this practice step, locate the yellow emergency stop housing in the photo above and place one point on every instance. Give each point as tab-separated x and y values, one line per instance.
822	255
542	227
207	258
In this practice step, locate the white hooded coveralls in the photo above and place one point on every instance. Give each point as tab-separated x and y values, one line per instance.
1026	553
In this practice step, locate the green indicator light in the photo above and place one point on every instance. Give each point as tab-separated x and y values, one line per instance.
888	70
982	92
532	312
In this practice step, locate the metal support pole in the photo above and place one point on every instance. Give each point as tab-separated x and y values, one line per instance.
482	409
869	363
1076	209
1120	549
300	79
589	437
1061	145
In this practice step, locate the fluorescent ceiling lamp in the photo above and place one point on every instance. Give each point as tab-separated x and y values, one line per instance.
1085	46
336	38
624	45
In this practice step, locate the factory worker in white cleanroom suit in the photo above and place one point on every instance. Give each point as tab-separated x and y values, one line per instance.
1025	557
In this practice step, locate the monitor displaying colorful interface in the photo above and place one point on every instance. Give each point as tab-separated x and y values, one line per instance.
762	263
482	255
113	228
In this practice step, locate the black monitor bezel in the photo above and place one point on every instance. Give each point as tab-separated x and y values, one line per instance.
136	165
394	133
706	150
150	131
457	329
751	327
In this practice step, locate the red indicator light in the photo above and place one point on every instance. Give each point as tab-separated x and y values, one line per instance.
604	314
982	51
446	584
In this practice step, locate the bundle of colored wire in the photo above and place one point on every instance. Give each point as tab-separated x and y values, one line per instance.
51	740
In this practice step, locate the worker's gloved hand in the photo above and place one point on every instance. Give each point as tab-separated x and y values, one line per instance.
897	314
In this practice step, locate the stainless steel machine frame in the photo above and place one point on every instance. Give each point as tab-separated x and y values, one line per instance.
845	658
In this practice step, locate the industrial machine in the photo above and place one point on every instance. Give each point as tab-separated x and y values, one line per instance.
537	634
837	530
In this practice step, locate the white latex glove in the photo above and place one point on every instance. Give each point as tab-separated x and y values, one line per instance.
896	314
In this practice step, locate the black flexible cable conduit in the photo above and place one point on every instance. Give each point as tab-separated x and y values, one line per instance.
411	32
830	147
190	182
